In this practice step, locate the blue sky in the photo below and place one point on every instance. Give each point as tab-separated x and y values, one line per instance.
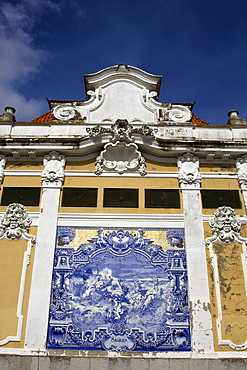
199	46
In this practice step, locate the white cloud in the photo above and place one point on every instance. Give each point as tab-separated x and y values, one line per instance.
20	59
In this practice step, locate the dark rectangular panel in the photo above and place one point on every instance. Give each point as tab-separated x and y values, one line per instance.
219	198
25	196
123	198
79	197
162	198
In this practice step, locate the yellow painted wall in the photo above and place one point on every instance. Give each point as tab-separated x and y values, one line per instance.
89	165
22	181
11	263
205	167
233	296
226	184
24	165
80	165
153	166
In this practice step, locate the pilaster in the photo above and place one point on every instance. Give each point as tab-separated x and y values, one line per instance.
201	325
52	180
241	164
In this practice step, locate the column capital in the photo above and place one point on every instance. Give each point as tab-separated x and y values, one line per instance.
189	176
53	173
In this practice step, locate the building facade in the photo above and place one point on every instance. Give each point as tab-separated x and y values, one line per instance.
123	232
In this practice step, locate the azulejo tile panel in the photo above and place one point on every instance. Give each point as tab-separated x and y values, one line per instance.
116	289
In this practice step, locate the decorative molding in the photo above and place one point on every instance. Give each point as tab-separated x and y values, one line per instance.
226	230
189	176
121	130
121	154
53	173
241	164
16	153
176	113
120	157
15	225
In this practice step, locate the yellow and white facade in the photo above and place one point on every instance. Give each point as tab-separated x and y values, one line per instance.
122	160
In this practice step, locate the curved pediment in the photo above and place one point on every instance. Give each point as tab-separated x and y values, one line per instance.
142	78
123	92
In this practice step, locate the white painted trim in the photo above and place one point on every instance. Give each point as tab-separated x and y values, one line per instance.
16	338
69	218
117	220
205	175
29	173
241	218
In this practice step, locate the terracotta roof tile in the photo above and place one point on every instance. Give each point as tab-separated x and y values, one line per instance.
45	117
198	121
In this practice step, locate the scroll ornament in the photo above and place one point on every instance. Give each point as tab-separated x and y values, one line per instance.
177	113
66	112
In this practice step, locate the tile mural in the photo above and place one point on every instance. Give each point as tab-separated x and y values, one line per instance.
118	290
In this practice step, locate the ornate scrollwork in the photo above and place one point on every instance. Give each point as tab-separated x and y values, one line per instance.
66	112
225	225
96	130
241	164
189	176
121	130
177	113
53	173
120	157
15	223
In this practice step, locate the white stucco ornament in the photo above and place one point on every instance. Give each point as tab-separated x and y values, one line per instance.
177	113
189	176
225	225
53	173
15	223
241	164
121	130
66	112
120	157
